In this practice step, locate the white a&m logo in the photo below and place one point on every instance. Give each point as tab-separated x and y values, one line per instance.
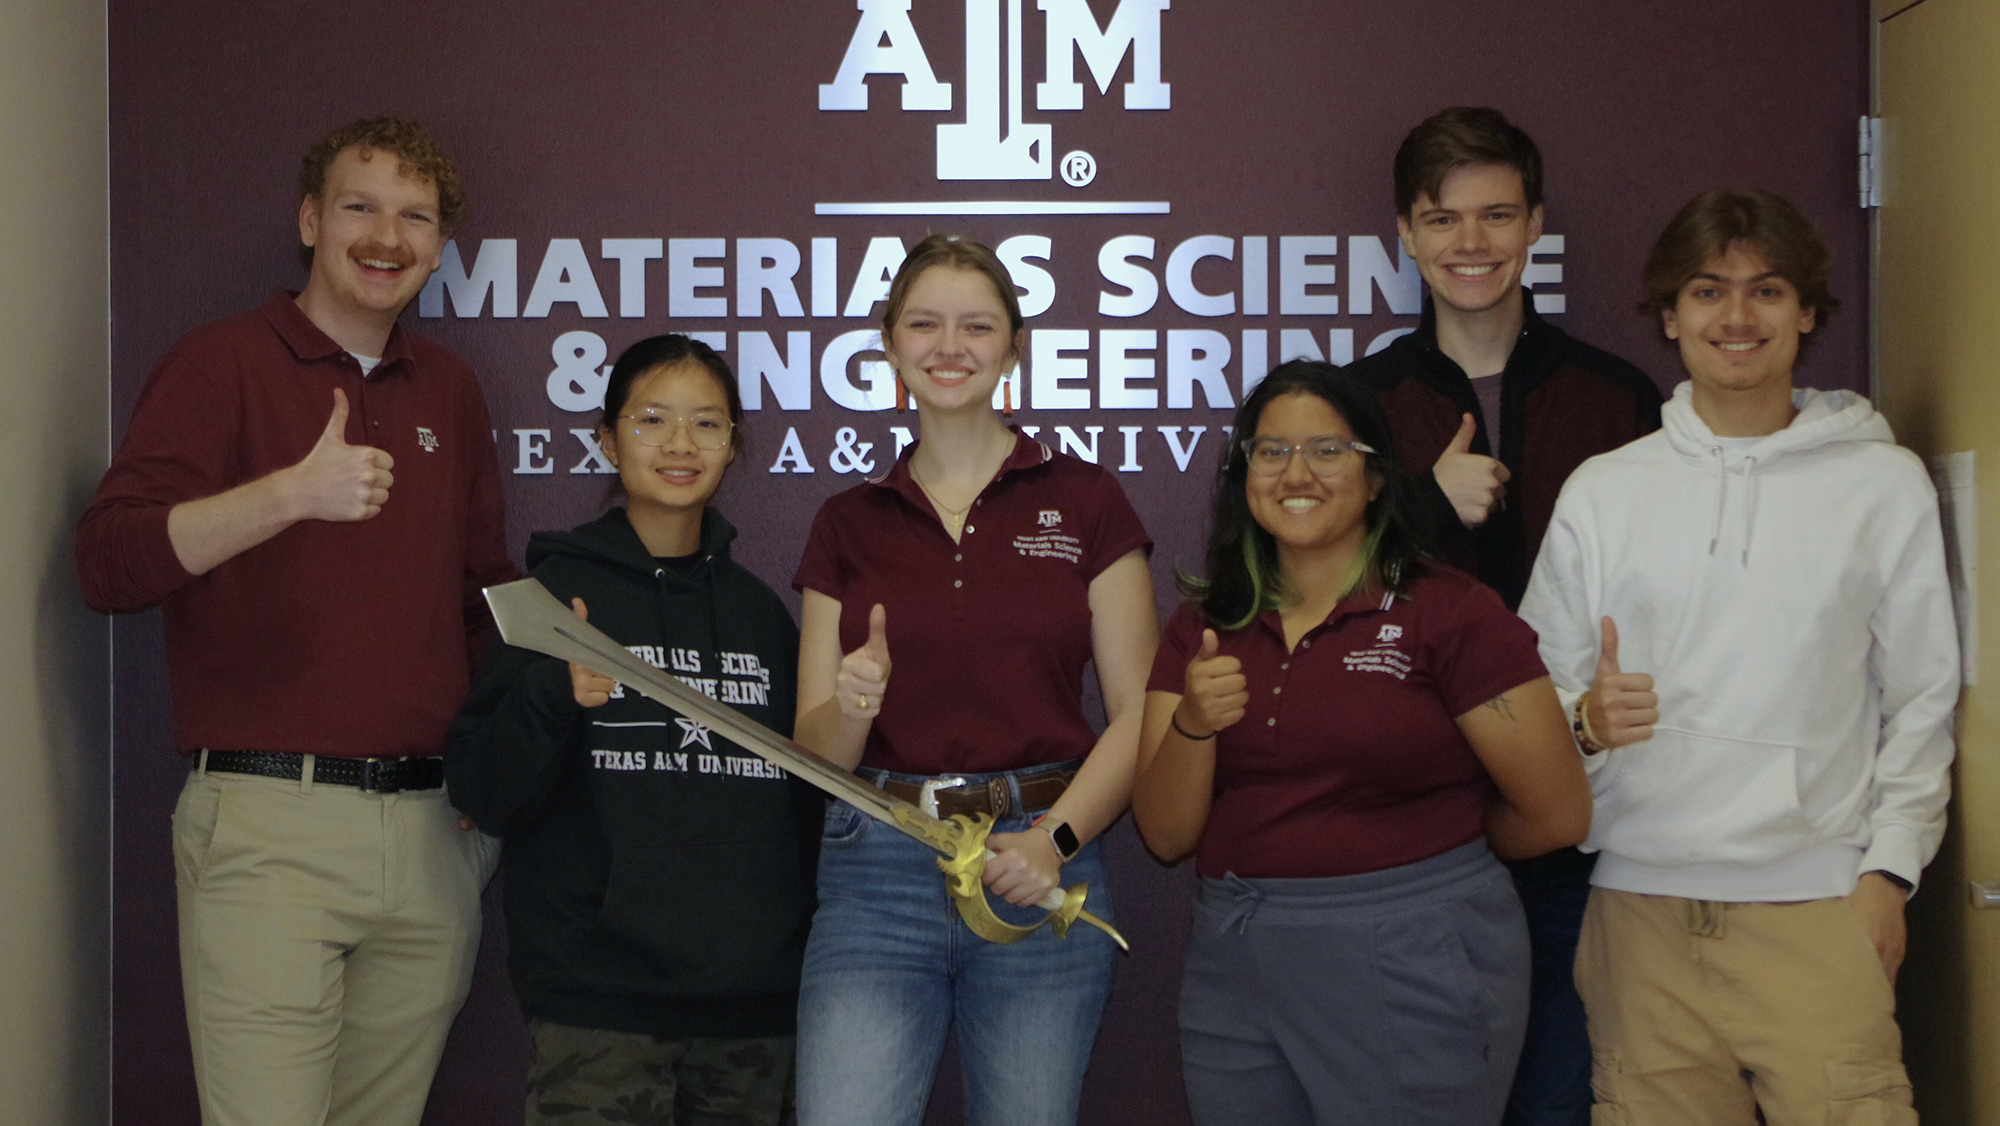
1389	634
994	142
1049	518
428	439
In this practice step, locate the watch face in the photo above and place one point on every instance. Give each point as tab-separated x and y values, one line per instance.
1066	842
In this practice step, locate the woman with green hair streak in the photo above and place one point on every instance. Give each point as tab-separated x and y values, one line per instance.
1345	733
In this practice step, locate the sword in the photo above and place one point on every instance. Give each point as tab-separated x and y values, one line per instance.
529	617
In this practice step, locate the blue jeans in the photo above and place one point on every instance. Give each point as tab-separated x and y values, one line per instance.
890	968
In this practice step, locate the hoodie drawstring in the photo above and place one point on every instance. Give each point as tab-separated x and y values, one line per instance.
1749	504
1721	500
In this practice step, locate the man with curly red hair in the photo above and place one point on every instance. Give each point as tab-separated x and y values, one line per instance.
311	494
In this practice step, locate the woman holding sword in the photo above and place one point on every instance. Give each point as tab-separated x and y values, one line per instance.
994	570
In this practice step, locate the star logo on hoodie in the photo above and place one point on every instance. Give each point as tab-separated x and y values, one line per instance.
692	732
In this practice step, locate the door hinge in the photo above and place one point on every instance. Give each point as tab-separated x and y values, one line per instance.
1871	162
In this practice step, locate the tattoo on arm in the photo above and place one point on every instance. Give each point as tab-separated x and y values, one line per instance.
1502	706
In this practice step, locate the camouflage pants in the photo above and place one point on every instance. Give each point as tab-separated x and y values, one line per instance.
585	1076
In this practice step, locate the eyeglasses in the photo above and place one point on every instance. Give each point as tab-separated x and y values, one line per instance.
1326	455
653	428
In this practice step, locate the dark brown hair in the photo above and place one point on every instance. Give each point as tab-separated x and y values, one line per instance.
959	254
1453	138
1754	220
417	154
1244	578
671	350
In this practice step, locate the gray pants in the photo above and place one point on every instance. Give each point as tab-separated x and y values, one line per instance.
1391	998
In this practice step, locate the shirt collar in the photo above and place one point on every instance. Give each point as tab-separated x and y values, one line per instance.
308	343
1365	601
1534	355
1026	454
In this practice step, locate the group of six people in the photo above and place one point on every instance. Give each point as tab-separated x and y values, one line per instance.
1467	604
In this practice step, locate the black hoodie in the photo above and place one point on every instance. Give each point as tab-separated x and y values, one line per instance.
658	878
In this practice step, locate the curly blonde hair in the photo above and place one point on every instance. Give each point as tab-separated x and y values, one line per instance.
417	154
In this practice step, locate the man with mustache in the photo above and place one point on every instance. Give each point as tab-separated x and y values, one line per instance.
1491	408
311	493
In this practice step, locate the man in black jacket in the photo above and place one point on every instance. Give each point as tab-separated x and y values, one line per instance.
1492	408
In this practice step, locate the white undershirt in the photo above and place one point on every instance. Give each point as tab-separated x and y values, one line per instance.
367	362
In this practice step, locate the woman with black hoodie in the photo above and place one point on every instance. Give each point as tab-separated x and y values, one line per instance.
658	878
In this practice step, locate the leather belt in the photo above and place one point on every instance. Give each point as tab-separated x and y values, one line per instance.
949	796
377	775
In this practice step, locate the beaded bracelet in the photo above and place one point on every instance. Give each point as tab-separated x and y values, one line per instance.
1579	726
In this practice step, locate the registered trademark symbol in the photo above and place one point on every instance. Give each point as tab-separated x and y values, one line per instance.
1079	168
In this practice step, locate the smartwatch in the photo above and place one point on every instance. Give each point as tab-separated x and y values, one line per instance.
1064	837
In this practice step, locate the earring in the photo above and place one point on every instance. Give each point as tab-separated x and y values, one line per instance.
1007	390
902	393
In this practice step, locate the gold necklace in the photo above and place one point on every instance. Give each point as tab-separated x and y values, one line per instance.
954	518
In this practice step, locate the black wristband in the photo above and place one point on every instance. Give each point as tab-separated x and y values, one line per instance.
1175	719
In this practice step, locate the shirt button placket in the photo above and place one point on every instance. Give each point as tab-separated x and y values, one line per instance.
958	580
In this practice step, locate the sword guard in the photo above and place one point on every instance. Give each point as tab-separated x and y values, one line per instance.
964	865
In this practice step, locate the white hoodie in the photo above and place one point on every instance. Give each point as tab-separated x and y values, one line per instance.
1790	602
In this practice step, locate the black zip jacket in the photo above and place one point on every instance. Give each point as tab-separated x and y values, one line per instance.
1561	403
658	878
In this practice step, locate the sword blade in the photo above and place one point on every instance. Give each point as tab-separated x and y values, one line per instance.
530	617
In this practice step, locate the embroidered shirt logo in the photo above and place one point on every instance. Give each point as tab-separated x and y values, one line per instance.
1049	518
428	439
1389	633
1050	545
1379	659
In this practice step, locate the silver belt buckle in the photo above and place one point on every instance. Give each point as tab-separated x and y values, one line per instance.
927	793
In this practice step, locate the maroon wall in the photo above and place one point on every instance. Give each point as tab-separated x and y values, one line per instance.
678	120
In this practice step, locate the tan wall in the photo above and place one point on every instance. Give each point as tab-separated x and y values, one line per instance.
54	653
1939	340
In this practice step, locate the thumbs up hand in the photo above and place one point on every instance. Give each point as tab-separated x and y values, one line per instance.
1217	693
864	674
337	481
591	689
1473	483
1621	707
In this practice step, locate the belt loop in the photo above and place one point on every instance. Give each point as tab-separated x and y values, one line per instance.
306	764
201	771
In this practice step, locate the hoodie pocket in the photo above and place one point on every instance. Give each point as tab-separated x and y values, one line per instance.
714	919
1683	798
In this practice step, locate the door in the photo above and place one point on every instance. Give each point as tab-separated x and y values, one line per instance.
1937	349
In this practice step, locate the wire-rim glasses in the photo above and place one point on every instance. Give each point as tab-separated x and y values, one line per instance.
657	428
1326	455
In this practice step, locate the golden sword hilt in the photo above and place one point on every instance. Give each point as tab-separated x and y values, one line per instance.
963	840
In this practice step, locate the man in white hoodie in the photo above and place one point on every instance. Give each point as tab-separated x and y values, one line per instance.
1747	615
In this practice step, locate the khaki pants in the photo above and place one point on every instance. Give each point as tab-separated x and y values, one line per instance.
1687	996
327	940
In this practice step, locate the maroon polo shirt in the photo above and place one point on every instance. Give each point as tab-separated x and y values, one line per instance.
988	637
346	639
1349	758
